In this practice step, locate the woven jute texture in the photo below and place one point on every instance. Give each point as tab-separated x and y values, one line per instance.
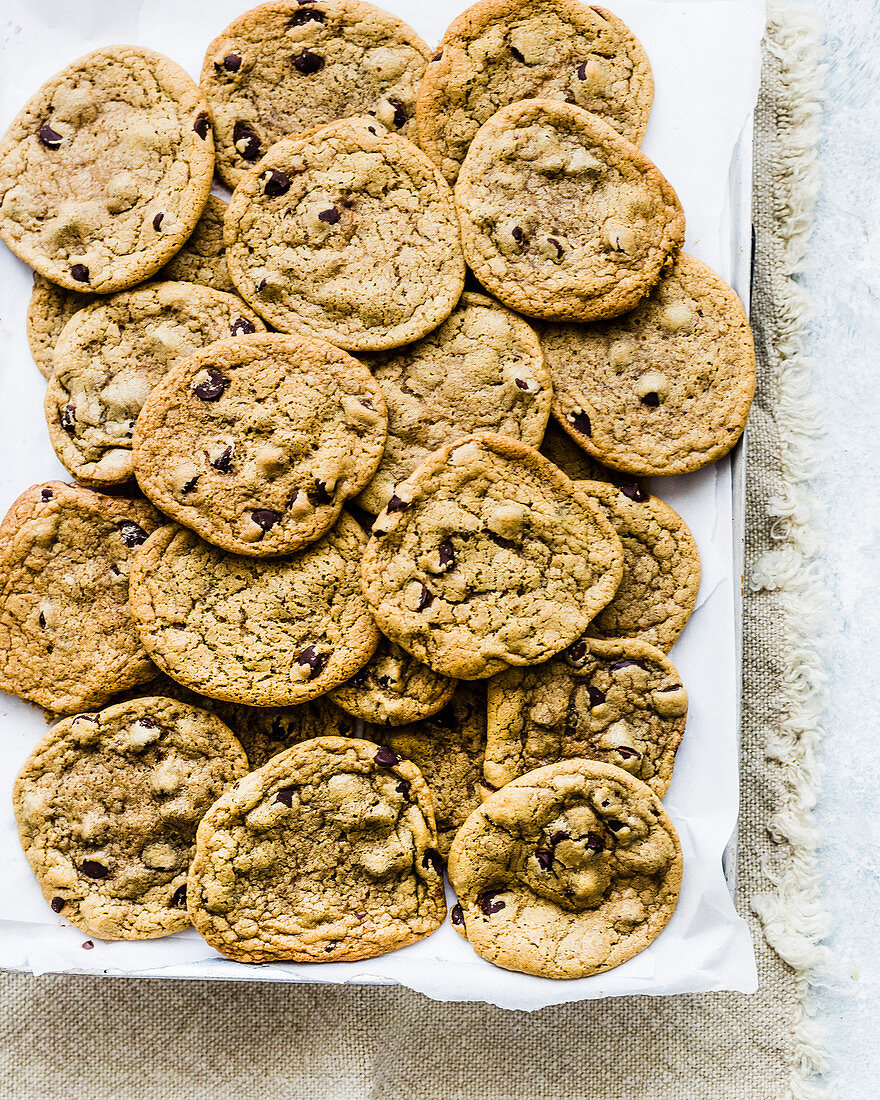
94	1038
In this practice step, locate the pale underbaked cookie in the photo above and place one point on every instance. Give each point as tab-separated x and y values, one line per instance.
266	632
285	68
326	853
202	259
393	688
481	370
503	51
349	232
448	750
256	442
49	310
67	641
105	171
661	567
107	806
568	871
561	217
620	702
665	389
488	556
111	354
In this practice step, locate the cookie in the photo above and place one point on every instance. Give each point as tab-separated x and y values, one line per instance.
448	749
350	233
561	217
393	688
661	567
202	259
256	442
665	389
107	806
111	354
618	702
49	310
567	871
326	853
503	51
481	370
486	557
67	641
105	171
286	68
265	632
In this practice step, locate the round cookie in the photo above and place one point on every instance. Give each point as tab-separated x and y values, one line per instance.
105	171
561	217
67	641
504	51
265	632
202	259
665	389
49	310
349	232
111	354
488	556
618	702
256	442
567	871
661	567
481	370
393	688
107	806
286	68
326	853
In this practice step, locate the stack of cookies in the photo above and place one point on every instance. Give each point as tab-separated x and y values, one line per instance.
357	581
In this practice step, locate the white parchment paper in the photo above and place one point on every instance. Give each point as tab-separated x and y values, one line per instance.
705	58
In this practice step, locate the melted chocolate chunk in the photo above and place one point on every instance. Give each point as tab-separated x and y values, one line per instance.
518	235
652	400
232	62
308	63
595	842
223	460
523	385
675	687
265	518
157	222
446	553
147	723
57	904
517	54
628	754
244	132
488	904
88	945
178	898
626	664
614	825
80	272
457	915
400	115
558	838
319	493
68	419
202	125
437	56
46	494
396	504
131	534
431	859
556	245
48	137
544	858
385	758
307	16
578	651
315	660
285	796
240	326
633	490
425	599
190	485
331	216
93	869
275	183
597	697
582	71
213	386
581	423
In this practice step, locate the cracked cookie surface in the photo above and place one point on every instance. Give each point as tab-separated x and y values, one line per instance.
256	442
202	259
67	641
260	631
561	217
109	357
615	701
326	853
107	806
504	51
567	871
481	370
488	556
285	68
105	171
349	232
665	389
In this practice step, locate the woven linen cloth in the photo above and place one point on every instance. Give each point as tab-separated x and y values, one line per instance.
96	1038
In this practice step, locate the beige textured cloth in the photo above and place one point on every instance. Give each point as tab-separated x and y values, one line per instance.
94	1038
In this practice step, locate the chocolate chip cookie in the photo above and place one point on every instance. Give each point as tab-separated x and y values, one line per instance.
665	389
481	370
202	259
349	232
265	632
561	217
49	310
109	357
326	853
618	702
67	641
486	557
105	171
567	871
503	51
255	443
285	68
107	806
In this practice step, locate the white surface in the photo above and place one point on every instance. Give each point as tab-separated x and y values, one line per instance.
705	60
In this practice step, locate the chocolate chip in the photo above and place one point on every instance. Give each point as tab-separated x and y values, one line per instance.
308	62
488	905
48	137
628	754
614	825
202	125
114	569
275	183
307	16
556	245
157	221
244	132
332	946
80	272
675	687
580	422
597	697
522	384
517	54
626	664
431	860
320	494
595	842
485	783
147	723
240	325
212	387
558	838
396	504
261	285
265	518
652	400
131	534
57	904
190	485
314	659
578	651
403	788
331	216
46	494
178	898
582	71
68	419
42	621
425	599
457	915
544	858
446	553
367	404
400	115
93	869
518	235
437	56
88	945
385	758
633	490
232	62
223	460
285	796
